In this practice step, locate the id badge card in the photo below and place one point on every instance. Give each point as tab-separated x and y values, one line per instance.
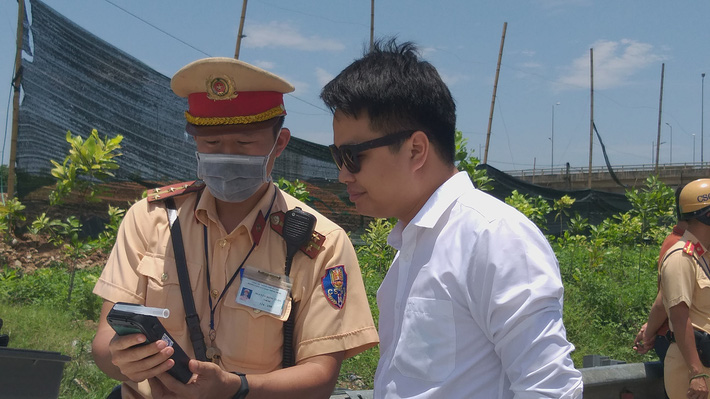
265	291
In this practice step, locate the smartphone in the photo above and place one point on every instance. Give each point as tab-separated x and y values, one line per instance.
127	319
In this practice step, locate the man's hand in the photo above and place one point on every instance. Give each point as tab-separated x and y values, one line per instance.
140	362
643	343
698	388
208	381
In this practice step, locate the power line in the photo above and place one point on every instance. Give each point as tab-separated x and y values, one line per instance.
193	47
157	28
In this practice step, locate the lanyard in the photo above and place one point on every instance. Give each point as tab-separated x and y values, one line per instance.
234	276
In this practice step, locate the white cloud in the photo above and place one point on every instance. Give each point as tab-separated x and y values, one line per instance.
280	34
268	65
556	4
452	80
323	76
301	87
615	63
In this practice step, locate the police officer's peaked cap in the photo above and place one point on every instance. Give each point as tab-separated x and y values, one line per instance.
226	92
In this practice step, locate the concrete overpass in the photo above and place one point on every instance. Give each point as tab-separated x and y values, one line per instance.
632	176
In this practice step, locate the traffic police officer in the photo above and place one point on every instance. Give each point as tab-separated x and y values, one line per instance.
685	288
231	229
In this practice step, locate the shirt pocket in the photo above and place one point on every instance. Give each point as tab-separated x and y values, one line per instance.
254	337
426	349
163	289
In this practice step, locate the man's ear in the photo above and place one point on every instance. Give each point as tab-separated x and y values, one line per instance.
419	148
282	141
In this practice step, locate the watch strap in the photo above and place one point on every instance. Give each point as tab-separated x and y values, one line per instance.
243	387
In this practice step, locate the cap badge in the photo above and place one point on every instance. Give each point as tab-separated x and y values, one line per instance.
220	88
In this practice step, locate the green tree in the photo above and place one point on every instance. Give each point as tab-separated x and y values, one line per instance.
297	189
90	162
561	206
534	208
10	216
654	206
376	255
466	162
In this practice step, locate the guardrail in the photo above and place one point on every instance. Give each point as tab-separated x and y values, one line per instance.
625	381
603	169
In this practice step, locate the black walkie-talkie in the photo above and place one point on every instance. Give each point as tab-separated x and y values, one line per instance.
298	229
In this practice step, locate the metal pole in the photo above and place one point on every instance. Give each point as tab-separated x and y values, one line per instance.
670	126
495	89
591	115
372	24
693	148
552	139
660	113
241	29
15	102
702	115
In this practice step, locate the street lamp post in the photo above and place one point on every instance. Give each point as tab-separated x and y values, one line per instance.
702	115
693	148
669	125
552	138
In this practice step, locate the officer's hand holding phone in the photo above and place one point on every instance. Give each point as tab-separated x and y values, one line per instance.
142	347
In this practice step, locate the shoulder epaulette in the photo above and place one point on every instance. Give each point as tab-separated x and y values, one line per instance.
312	248
173	190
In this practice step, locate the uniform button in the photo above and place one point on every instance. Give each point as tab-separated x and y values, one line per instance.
257	311
214	293
222	243
164	276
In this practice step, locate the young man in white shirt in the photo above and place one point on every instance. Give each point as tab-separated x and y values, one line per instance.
472	304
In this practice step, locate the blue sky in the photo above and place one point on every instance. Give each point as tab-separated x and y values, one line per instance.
545	62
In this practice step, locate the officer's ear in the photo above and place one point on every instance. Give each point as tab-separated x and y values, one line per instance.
282	141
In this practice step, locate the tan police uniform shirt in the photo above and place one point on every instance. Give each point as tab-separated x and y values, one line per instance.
683	280
141	269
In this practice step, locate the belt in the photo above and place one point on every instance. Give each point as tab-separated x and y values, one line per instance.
671	337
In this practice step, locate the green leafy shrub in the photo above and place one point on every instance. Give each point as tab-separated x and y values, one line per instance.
10	217
466	162
297	189
534	208
375	255
50	287
89	163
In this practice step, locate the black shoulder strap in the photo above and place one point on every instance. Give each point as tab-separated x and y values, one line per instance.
191	317
705	269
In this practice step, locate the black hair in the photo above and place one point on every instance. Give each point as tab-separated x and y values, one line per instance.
398	91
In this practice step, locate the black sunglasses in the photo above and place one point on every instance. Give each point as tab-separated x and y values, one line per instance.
347	154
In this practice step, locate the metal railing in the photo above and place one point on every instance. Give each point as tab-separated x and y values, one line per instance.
647	168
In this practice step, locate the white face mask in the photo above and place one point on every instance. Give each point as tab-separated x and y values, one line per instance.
233	178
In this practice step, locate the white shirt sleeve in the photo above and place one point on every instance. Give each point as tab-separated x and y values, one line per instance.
517	292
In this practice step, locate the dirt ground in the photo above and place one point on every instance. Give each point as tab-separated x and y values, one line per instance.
29	252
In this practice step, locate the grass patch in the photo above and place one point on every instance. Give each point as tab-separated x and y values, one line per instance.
39	327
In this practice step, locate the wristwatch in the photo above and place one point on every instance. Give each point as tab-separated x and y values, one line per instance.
243	388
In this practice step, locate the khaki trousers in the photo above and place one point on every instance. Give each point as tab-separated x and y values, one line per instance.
675	373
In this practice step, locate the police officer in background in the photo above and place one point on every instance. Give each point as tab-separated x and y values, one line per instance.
685	287
231	229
